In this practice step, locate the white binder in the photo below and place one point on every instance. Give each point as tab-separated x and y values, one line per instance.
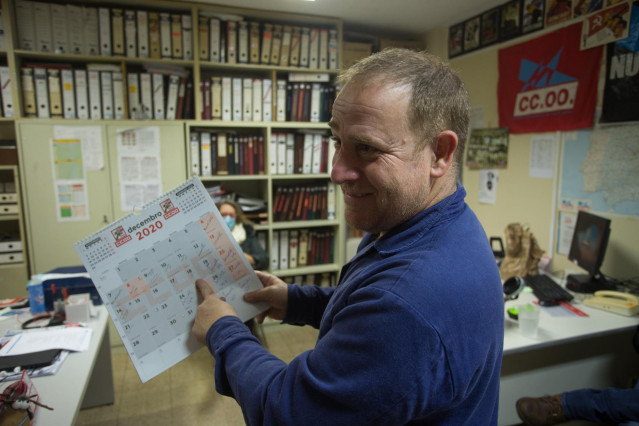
25	25
285	50
227	99
143	33
68	93
330	199
28	92
281	100
117	32
146	95
307	160
81	94
267	99
106	86
205	153
305	41
316	161
313	48
281	153
55	94
214	41
216	98
290	153
195	153
88	32
267	38
231	42
59	26
165	35
272	154
172	97
42	92
333	48
130	33
315	102
275	251
133	91
104	23
119	110
158	96
323	49
236	102
257	99
95	104
187	37
284	245
254	42
247	99
243	43
7	96
176	36
43	31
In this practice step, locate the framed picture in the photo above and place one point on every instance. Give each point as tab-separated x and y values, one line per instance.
490	27
584	7
558	11
532	16
472	31
510	19
455	40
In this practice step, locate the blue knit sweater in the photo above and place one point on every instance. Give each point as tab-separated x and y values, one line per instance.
411	335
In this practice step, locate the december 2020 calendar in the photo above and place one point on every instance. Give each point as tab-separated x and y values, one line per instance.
145	265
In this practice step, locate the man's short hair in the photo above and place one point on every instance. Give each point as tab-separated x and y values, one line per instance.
439	100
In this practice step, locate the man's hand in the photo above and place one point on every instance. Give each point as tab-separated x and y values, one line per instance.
274	293
211	309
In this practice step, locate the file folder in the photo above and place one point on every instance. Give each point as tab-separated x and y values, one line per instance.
143	33
214	40
176	36
254	43
43	31
59	26
154	35
117	31
158	96
130	33
106	87
28	92
146	95
165	35
81	93
104	23
55	94
133	90
187	37
243	43
86	39
68	93
119	109
95	94
203	38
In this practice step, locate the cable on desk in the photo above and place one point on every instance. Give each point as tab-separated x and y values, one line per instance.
54	319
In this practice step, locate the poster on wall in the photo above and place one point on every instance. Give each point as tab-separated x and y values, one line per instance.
510	20
621	91
455	40
533	16
472	29
548	83
607	26
558	11
584	7
487	148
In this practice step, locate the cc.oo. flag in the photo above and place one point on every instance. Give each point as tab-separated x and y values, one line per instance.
548	83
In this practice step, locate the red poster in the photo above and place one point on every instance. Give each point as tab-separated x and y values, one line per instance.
548	84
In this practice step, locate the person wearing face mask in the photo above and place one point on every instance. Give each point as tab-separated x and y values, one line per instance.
413	331
244	234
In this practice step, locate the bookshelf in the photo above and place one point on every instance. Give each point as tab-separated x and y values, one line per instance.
193	65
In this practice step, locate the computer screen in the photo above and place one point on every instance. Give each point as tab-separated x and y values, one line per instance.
589	242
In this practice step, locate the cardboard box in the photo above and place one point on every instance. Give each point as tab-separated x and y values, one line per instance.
8	155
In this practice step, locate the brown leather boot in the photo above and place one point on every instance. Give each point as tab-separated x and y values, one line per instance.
545	410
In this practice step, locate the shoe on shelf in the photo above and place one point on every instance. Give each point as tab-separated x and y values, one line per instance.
542	411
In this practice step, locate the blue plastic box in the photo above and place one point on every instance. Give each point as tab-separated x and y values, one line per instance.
74	285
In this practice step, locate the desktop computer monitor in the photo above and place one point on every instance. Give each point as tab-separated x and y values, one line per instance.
587	250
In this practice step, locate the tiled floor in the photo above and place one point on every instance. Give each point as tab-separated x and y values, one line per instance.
184	394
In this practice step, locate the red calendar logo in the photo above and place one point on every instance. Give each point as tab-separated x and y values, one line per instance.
168	208
120	236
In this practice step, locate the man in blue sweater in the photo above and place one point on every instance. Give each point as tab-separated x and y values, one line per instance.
413	332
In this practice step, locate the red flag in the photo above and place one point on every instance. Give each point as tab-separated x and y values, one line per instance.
548	84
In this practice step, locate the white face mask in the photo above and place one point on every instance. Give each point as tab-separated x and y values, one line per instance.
229	221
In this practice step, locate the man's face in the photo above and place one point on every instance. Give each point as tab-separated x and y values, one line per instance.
385	181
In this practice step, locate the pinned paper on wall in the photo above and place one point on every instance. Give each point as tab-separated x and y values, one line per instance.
488	179
542	156
69	180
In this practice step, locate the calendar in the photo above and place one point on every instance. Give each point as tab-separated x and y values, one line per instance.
145	265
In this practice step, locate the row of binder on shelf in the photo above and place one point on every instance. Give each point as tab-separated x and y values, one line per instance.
251	99
313	201
100	92
325	279
84	30
300	153
224	153
250	42
293	248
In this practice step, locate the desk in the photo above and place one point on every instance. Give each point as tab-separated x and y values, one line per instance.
568	353
85	379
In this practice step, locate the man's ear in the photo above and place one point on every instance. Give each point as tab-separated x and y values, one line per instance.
443	147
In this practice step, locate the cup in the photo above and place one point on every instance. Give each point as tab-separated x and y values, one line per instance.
528	318
36	297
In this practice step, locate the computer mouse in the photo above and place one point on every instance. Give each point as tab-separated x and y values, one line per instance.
548	303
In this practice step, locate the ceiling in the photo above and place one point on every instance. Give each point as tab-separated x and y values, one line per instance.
383	17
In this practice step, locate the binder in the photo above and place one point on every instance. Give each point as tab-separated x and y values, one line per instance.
216	98
272	154
158	96
285	50
59	25
290	153
275	250
87	39
284	245
236	102
179	114
315	103
313	48
28	92
267	37
281	153
143	33
329	157
165	35
119	109
221	155
227	105
205	92
176	36
305	40
203	38
254	42
78	30
81	93
55	95
333	49
117	31
316	160
25	25
323	49
106	87
247	99
296	37
293	248
133	91
267	99
68	93
43	31
231	42
194	140
42	92
130	33
257	99
7	96
307	161
188	100
280	100
154	35
205	153
330	201
302	255
276	44
95	103
172	97
242	43
146	95
214	40
187	37
104	24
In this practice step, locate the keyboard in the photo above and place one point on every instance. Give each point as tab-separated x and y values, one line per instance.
547	290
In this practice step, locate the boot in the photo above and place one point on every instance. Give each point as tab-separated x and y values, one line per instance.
545	410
